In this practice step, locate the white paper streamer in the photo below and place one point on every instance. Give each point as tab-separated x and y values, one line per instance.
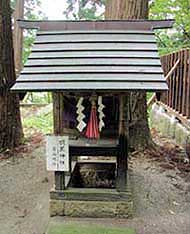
101	114
81	125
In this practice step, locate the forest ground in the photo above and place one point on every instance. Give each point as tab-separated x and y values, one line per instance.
160	181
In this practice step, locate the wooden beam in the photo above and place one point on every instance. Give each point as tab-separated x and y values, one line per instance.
92	151
122	157
152	99
90	194
58	120
46	25
59	180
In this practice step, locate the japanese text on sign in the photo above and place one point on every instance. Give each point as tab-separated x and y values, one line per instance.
57	151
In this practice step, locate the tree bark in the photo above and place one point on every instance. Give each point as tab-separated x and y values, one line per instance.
139	132
10	121
18	36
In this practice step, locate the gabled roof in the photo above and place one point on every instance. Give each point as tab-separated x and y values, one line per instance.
108	59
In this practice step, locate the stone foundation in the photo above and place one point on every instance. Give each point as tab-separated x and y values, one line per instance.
94	209
168	125
95	203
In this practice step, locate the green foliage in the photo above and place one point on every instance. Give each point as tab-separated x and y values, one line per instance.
38	98
88	229
84	9
39	123
179	37
32	11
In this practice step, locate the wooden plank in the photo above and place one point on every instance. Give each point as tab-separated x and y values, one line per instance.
184	93
180	81
95	46
46	25
169	64
90	194
91	54
93	50
103	142
188	85
64	76
93	151
107	32
103	147
84	86
93	69
168	79
89	77
177	86
95	38
173	82
163	96
90	61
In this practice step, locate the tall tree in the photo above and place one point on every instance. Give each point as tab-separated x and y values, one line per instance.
139	133
84	9
18	35
10	122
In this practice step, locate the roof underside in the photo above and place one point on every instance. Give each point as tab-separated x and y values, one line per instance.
84	60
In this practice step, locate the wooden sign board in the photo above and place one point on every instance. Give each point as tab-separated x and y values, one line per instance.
57	152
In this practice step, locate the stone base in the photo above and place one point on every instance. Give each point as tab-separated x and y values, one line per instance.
168	125
72	204
93	209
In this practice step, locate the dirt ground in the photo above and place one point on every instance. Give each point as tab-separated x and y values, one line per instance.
24	194
161	196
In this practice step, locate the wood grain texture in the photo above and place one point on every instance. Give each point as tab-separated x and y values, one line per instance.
179	81
10	122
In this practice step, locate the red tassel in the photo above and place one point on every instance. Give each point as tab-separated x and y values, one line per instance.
92	131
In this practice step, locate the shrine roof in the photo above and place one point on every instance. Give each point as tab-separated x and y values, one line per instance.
100	55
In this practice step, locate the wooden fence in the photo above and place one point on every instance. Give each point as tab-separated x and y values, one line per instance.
178	96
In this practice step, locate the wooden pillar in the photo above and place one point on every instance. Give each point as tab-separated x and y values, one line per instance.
59	180
18	36
122	157
58	107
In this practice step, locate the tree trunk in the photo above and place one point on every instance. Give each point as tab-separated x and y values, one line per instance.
139	132
18	36
10	122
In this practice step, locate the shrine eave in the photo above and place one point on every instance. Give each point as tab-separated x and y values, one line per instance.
115	56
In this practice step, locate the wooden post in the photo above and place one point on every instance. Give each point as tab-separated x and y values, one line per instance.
59	180
58	126
122	165
18	36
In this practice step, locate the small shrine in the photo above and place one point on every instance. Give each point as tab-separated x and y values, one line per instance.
91	67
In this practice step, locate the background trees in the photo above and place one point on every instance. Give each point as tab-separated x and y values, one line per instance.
179	36
10	122
85	9
168	40
139	133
